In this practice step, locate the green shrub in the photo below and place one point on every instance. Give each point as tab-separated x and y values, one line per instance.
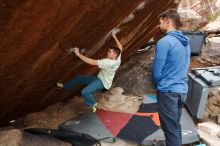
212	17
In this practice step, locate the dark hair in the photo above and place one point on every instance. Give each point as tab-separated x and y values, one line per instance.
116	50
173	15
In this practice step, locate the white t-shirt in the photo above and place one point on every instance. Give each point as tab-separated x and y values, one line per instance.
107	71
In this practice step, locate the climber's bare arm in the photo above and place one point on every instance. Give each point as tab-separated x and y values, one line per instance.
84	58
117	41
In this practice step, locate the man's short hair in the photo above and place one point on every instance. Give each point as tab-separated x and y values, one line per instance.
173	15
116	50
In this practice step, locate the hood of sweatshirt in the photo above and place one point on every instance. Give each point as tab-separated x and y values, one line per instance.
179	35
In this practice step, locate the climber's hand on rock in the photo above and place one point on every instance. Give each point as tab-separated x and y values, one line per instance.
76	51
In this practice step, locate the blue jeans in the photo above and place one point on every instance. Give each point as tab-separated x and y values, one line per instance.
170	110
93	84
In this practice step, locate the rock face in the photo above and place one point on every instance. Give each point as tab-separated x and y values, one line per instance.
212	106
35	36
195	14
211	53
191	20
137	79
205	8
214	25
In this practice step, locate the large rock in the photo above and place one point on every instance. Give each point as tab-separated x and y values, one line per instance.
206	8
214	25
10	138
114	100
210	133
19	138
209	140
212	111
217	4
213	103
35	36
210	128
211	53
54	115
191	20
134	76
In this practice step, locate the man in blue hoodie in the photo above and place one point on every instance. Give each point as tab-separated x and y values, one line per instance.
170	67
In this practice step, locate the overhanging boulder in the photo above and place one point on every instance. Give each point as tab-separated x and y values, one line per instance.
35	36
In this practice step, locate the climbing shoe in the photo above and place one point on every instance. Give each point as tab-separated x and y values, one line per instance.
94	107
59	85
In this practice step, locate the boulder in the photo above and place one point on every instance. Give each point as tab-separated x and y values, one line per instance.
134	76
209	128
114	100
191	20
212	106
36	36
209	140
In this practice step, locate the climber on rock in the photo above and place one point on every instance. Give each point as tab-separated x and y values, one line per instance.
103	80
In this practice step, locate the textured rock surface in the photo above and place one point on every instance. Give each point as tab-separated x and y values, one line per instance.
205	8
11	138
210	128
137	79
54	115
213	103
211	53
212	112
214	25
191	20
35	36
210	133
209	140
18	138
114	100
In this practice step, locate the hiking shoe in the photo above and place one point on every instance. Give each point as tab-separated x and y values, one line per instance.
59	85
